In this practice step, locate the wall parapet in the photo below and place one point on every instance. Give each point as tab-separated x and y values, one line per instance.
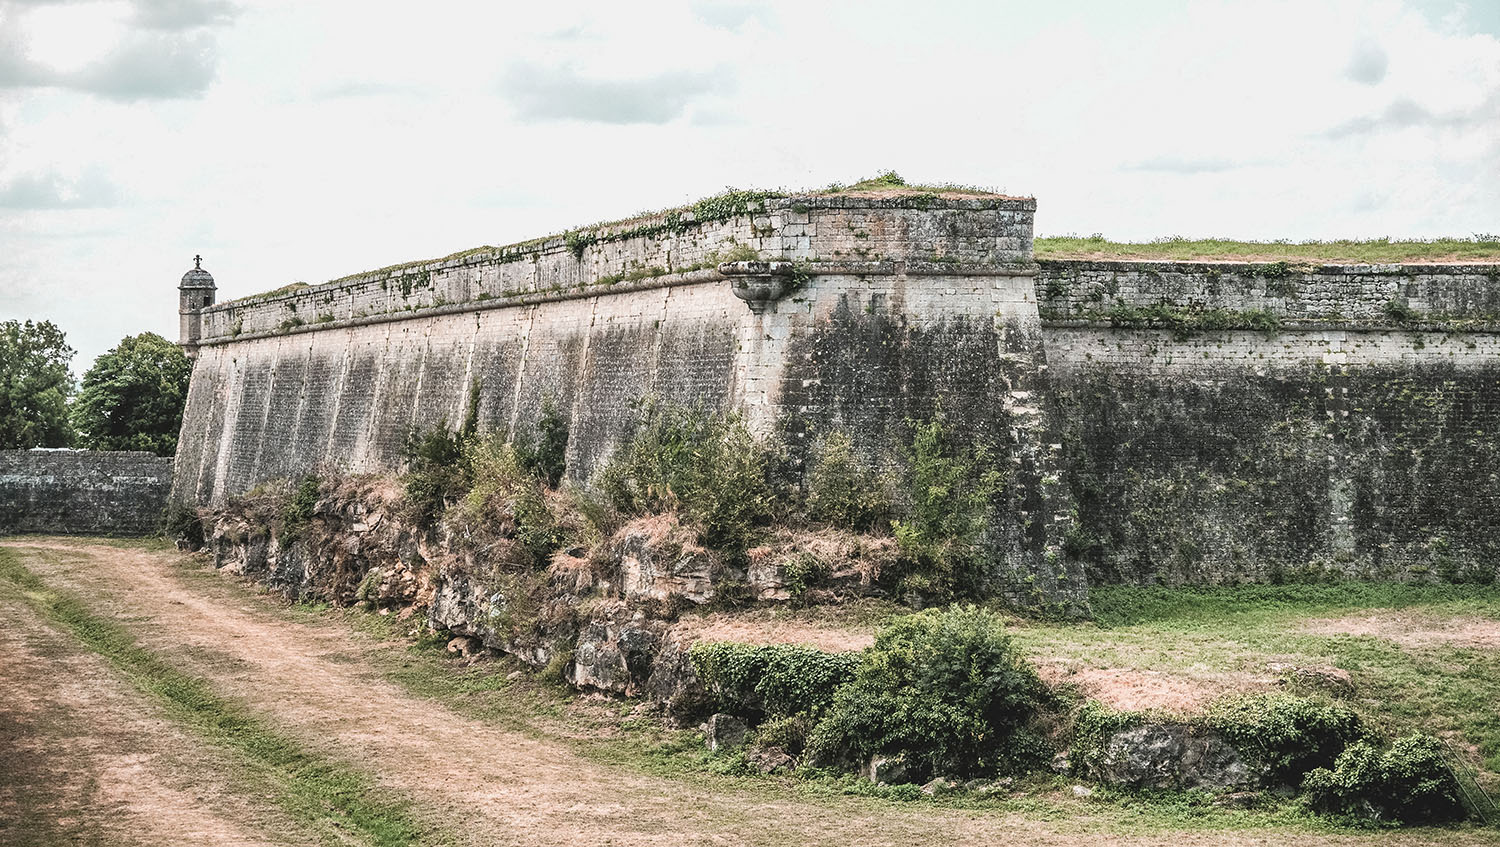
1416	296
670	248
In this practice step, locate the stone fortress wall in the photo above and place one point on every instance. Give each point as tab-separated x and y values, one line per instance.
1175	422
90	492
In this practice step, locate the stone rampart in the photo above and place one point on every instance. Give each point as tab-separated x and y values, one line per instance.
806	314
83	491
1161	421
1260	422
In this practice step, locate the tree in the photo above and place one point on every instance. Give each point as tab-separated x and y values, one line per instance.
34	385
132	397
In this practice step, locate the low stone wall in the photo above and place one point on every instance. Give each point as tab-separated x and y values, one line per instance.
83	491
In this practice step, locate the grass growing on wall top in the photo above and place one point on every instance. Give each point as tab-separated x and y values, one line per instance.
1479	248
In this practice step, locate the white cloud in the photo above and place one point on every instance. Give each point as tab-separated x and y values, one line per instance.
52	190
288	140
562	94
1368	63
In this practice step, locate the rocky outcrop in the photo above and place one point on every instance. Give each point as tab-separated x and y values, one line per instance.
657	558
1173	756
617	648
602	616
724	732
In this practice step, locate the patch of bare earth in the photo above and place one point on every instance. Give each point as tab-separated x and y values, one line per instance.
1129	689
490	785
1412	630
85	759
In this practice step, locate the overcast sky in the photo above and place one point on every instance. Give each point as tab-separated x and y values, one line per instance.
306	140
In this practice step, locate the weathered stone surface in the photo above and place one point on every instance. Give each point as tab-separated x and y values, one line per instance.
724	732
616	650
674	684
771	760
888	769
938	786
1173	756
659	559
83	491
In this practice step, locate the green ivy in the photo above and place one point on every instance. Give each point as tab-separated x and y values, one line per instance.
1290	735
778	681
1409	783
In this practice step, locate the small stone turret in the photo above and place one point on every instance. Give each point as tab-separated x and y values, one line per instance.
195	292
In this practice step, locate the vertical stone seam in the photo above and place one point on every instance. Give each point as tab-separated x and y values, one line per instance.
265	415
346	360
515	396
302	405
579	381
463	386
416	399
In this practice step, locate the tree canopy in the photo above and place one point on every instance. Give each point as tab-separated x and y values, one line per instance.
132	398
34	385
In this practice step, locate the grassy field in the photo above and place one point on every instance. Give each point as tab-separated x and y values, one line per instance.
1484	248
1422	658
340	715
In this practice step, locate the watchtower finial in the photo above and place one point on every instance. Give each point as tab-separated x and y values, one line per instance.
198	263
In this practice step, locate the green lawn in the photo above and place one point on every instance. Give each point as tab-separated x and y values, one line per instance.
1374	251
1422	657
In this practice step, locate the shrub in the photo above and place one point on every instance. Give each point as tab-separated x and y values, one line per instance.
504	496
952	492
1291	735
182	523
947	689
297	512
547	458
840	493
435	471
777	681
703	464
1410	783
789	733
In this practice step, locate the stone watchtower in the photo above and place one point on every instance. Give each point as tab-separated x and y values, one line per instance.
195	292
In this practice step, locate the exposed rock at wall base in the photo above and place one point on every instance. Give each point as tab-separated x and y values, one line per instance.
617	649
604	620
724	732
1174	756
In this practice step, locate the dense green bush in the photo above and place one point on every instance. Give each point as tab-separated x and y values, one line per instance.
546	458
952	491
840	493
775	680
436	473
297	512
505	497
1411	783
947	689
1290	735
703	464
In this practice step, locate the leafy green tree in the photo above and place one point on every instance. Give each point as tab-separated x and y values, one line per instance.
34	385
132	397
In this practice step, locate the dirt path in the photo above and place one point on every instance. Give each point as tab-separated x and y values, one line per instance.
85	759
489	785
